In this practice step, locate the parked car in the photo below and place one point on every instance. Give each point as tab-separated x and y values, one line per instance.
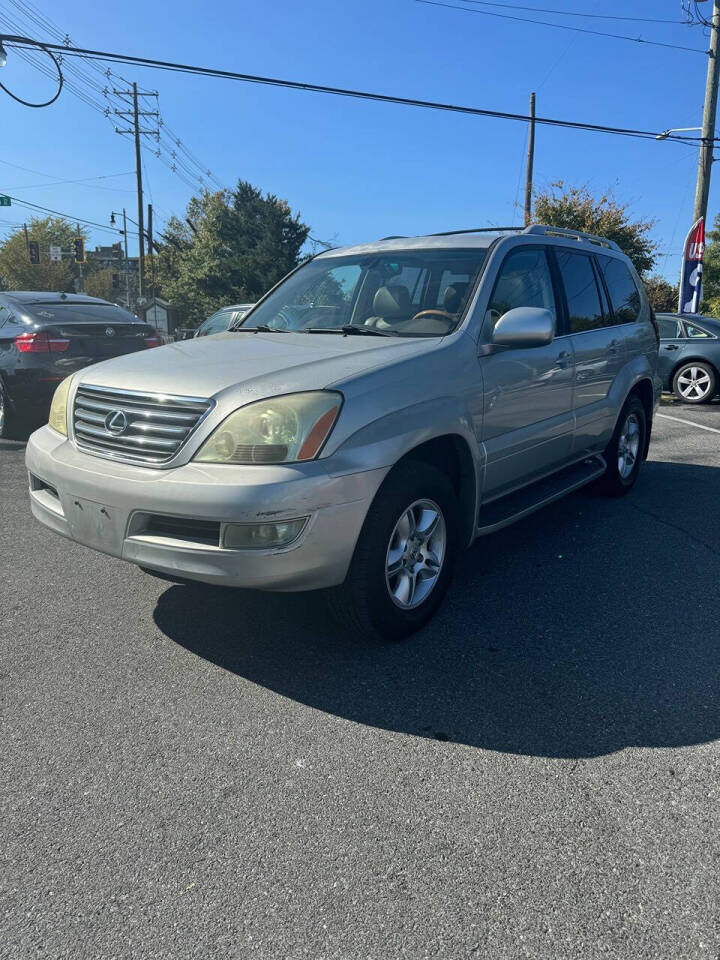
220	321
460	383
45	337
689	356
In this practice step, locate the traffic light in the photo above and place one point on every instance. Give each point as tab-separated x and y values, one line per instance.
78	250
116	281
34	251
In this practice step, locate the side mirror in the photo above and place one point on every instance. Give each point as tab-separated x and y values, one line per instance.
524	327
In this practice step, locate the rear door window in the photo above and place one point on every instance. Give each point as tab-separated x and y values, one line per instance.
624	294
581	291
669	327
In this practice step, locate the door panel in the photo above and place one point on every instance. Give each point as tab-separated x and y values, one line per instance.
528	392
528	421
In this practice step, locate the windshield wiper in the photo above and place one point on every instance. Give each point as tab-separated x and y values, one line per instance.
350	329
260	328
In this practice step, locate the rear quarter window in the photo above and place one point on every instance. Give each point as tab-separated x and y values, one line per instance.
625	298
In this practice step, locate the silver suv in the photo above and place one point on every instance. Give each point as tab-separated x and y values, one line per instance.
376	412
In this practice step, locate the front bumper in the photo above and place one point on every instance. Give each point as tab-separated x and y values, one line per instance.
98	502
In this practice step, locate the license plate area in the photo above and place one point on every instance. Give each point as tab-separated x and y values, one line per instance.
96	524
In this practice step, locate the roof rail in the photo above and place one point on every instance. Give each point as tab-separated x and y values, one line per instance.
539	228
452	233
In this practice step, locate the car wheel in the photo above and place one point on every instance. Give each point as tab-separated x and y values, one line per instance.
5	413
403	560
624	453
694	382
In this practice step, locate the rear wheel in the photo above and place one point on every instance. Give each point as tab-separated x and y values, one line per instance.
403	560
624	453
694	382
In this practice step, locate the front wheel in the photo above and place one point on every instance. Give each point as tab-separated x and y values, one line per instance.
403	560
694	382
624	453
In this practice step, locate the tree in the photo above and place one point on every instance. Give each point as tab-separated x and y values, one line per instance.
100	284
576	209
231	248
663	296
16	271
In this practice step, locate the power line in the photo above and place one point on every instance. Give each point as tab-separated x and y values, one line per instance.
57	183
193	70
575	13
563	26
66	216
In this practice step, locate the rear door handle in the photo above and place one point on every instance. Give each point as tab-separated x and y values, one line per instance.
562	359
672	346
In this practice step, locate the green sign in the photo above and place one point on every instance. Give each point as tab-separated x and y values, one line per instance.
4	201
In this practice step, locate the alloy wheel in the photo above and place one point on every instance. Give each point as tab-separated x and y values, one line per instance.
694	383
628	445
415	554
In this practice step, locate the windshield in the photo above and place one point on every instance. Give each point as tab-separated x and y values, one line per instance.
420	293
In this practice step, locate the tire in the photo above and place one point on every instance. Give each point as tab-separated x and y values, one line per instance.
7	420
624	453
695	382
377	599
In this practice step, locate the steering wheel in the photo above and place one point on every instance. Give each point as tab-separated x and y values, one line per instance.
280	322
435	313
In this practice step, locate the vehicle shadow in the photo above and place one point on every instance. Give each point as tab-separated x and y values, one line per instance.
591	627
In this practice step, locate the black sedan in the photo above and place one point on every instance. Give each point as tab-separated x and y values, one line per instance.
689	362
44	337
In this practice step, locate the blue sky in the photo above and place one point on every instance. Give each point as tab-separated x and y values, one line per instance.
358	170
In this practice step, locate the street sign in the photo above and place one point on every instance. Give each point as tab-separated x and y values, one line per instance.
5	201
55	253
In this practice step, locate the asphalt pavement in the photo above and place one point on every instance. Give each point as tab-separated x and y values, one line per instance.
198	772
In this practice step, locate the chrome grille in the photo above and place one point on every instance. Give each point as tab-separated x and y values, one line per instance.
151	427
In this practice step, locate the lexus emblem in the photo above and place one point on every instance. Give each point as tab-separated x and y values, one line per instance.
116	422
109	331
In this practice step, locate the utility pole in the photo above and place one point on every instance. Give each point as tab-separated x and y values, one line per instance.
702	190
127	265
530	161
151	252
81	278
137	132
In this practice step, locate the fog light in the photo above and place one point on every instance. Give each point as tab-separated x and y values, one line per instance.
261	536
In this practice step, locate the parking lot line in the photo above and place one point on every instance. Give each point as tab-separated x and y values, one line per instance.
690	423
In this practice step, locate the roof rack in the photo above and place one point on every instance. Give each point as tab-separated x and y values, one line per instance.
538	228
452	233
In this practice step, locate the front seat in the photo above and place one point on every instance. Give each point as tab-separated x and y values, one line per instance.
454	296
391	305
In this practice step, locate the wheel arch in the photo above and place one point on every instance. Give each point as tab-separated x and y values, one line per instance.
645	391
450	453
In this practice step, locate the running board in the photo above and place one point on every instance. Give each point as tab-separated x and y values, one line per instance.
513	507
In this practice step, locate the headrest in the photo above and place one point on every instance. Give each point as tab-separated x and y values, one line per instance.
392	301
454	297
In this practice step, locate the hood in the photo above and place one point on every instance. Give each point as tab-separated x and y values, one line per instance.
263	363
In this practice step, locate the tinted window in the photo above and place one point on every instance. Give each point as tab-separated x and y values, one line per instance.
581	291
695	332
624	295
4	315
669	328
78	311
524	281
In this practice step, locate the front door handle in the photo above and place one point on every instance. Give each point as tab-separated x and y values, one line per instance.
613	348
672	346
562	359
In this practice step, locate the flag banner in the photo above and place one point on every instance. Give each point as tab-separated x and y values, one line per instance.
691	271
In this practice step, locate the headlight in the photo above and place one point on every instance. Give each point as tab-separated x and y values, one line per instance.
58	408
280	430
